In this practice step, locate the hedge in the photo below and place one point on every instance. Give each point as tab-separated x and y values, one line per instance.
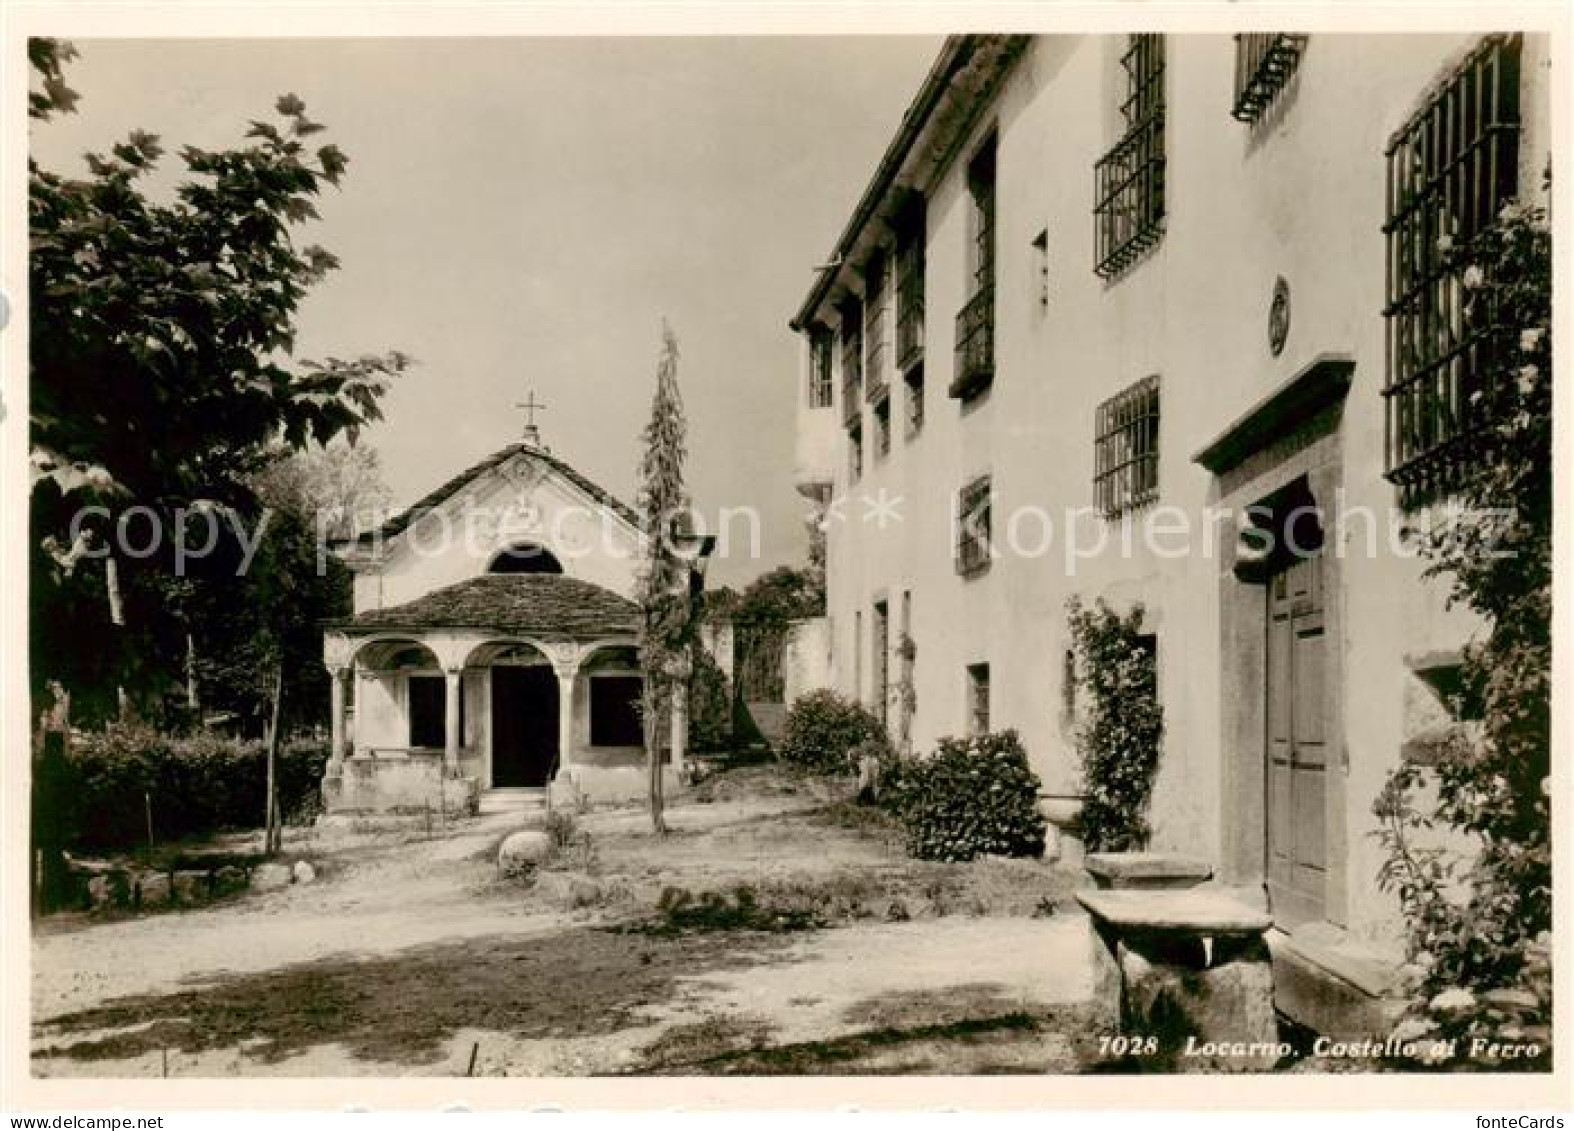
196	785
971	797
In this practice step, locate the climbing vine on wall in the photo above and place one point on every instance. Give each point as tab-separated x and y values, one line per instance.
1121	731
1479	923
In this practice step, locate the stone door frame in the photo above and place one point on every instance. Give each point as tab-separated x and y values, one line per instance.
1293	435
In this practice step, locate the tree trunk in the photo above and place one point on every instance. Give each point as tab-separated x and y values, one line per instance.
50	878
653	729
272	838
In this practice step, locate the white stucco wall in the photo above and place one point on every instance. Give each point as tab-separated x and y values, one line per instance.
1303	197
531	504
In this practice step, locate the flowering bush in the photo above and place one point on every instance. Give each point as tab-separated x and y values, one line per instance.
971	796
823	730
1122	727
1479	925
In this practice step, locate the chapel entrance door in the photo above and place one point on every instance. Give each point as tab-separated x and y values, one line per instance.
1297	745
524	725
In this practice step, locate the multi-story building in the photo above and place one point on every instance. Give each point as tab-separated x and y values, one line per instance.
1104	296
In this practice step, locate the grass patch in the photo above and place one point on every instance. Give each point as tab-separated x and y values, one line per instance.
858	1053
681	911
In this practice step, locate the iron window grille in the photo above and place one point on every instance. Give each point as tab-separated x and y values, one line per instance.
820	383
910	287
1263	64
1129	179
1126	449
852	361
875	301
973	523
1450	170
975	322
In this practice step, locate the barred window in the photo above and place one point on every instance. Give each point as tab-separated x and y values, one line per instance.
875	292
973	521
1450	169
1263	65
882	428
910	285
852	333
975	322
1126	449
1129	179
820	391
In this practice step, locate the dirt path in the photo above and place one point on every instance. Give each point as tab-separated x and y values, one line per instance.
411	956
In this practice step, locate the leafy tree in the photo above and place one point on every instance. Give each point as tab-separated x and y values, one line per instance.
669	609
1480	923
784	594
161	383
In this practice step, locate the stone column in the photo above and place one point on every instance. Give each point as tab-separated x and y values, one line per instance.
451	721
339	679
566	674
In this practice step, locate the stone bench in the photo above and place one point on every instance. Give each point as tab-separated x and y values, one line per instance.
1189	968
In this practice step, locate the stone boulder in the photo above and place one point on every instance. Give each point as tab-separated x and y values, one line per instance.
523	852
152	889
270	876
303	872
191	886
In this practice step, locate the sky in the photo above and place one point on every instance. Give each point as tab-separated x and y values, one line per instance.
520	214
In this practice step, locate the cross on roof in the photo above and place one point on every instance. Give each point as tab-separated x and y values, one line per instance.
531	407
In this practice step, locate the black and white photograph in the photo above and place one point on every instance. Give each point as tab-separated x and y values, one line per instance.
826	546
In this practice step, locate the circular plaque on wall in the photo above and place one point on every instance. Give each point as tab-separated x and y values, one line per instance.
1279	316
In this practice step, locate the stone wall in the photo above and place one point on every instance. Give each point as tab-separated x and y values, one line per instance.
806	662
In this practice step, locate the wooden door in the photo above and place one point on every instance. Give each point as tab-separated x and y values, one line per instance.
524	725
1297	743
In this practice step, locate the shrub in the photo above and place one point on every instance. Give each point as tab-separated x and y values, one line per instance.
823	730
197	785
971	796
1122	730
710	705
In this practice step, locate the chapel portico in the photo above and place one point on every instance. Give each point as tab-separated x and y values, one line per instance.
502	681
509	662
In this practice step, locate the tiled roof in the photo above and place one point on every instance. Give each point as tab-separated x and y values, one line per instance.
531	604
448	490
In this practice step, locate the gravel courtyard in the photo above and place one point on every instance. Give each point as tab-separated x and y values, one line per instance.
409	955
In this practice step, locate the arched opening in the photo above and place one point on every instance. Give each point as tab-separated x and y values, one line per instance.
525	557
524	709
401	701
613	687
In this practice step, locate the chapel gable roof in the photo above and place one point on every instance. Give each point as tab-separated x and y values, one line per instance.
546	605
435	500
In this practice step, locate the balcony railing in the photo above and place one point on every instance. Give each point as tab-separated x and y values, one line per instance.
1129	188
1263	64
852	401
975	345
876	384
852	377
910	306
